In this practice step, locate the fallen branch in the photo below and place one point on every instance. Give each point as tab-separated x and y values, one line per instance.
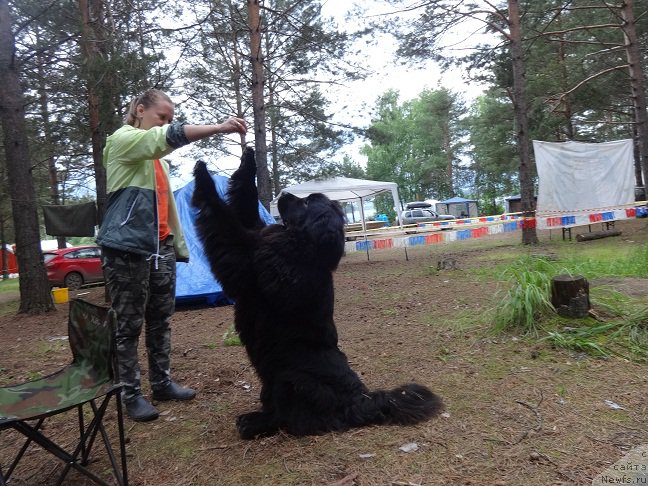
211	448
536	412
346	481
535	456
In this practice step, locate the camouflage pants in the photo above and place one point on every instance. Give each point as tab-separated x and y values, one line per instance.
142	295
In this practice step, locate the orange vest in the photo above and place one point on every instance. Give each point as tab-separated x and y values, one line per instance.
162	191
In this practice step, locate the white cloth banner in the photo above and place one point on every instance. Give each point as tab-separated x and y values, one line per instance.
584	176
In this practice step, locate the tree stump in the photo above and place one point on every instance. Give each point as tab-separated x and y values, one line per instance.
447	263
570	295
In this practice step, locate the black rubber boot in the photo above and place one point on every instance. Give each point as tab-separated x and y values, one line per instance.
141	410
173	391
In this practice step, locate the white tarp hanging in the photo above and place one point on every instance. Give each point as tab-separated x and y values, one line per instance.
584	176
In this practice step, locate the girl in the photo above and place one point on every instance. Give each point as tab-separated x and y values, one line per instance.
141	238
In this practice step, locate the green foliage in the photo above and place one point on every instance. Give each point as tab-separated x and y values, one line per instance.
300	47
231	338
527	300
495	161
349	168
384	203
575	74
417	144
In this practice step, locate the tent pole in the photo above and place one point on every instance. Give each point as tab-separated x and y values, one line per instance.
398	206
364	227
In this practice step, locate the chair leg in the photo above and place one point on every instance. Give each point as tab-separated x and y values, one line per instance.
87	435
57	451
22	450
86	439
122	437
84	452
122	479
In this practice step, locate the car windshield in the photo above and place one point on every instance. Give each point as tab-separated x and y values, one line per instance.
48	256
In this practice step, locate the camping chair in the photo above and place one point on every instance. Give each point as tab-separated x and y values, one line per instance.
91	379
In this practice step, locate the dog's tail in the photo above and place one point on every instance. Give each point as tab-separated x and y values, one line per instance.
406	405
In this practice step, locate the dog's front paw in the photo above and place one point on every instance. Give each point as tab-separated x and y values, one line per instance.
204	185
255	424
200	168
248	161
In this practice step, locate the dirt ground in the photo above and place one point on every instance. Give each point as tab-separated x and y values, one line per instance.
518	412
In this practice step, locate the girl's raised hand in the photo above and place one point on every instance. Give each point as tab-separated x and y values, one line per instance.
234	125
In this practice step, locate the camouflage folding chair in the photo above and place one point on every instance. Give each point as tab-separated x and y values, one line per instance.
91	379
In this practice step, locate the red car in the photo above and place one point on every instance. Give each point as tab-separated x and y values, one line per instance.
73	267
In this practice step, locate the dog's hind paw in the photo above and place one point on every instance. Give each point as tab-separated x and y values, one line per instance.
255	424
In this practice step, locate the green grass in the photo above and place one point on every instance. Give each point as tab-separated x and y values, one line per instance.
11	306
623	333
231	338
610	262
622	329
527	299
9	285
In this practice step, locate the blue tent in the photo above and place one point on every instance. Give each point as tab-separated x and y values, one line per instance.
194	280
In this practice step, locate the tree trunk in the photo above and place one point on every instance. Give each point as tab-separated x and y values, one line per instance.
48	142
447	146
570	295
236	68
567	111
35	296
273	117
258	103
100	83
520	107
637	82
3	251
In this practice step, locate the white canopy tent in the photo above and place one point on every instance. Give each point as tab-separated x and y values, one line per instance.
342	189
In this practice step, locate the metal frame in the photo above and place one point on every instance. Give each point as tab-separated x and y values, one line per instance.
30	427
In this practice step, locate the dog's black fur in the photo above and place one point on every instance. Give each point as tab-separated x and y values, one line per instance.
280	277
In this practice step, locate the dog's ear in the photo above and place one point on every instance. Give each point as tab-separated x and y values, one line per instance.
292	209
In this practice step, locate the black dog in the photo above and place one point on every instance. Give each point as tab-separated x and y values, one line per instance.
280	277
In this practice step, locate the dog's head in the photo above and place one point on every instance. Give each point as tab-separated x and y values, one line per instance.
319	218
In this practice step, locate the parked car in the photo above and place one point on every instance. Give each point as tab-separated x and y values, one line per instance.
422	212
74	267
